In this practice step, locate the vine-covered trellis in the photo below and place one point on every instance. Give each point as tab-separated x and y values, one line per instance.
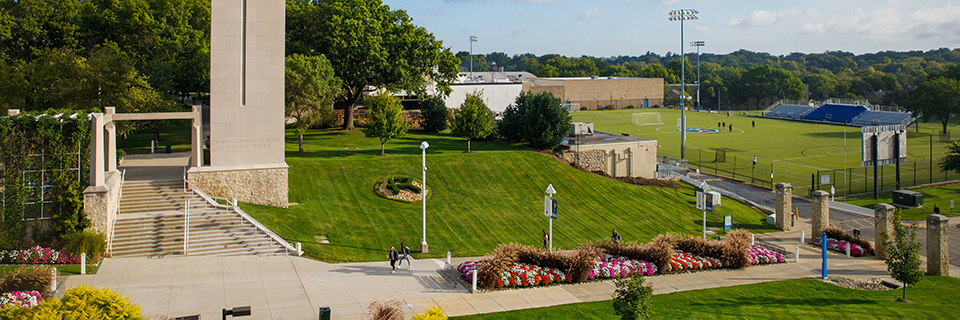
45	156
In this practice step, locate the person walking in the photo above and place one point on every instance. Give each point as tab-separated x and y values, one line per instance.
616	237
546	239
718	125
753	124
936	209
406	254
754	161
731	127
394	256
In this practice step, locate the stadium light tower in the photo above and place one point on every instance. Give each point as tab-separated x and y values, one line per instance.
472	40
681	15
698	44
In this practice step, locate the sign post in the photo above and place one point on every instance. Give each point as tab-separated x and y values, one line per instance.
727	222
550	210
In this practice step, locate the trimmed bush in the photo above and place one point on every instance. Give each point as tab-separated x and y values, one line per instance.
27	278
397	184
434	313
91	243
81	302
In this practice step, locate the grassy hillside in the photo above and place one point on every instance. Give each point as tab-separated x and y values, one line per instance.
792	299
476	201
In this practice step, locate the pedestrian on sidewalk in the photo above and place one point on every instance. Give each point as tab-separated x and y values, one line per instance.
394	256
406	254
546	239
936	209
616	237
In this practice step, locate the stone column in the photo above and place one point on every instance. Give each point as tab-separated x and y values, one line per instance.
938	248
96	151
821	212
784	205
883	219
196	140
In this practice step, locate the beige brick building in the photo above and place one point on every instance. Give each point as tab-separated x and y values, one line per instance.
597	93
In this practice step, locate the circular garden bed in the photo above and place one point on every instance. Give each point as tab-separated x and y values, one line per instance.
401	188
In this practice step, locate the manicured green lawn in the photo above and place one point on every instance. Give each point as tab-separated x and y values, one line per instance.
933	298
64	269
940	196
139	143
476	202
796	150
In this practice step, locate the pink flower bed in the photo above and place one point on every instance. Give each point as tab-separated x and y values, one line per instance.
466	269
37	255
20	299
687	261
841	246
611	266
761	255
519	275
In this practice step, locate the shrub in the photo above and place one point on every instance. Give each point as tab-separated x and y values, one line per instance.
385	310
630	107
433	114
434	313
735	246
609	107
82	302
495	263
397	184
835	232
27	278
91	243
583	108
537	119
631	300
659	252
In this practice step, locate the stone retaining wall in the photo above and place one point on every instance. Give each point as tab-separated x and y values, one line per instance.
259	186
592	160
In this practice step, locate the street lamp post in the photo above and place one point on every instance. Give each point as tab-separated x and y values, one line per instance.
472	40
423	243
698	44
681	15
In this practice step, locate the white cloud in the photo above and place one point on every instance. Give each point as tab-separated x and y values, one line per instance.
760	18
701	28
514	1
589	13
897	24
532	17
814	28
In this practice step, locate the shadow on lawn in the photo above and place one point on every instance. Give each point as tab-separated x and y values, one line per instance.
738	304
408	145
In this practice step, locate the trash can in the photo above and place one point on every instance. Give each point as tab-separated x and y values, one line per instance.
324	313
168	149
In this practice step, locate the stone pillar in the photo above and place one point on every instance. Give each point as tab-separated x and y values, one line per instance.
96	151
938	248
110	136
196	140
821	212
784	205
883	219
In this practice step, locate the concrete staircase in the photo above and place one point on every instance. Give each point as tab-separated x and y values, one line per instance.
151	223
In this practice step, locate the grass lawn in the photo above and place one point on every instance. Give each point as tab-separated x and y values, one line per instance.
139	142
64	269
939	195
933	298
795	150
476	201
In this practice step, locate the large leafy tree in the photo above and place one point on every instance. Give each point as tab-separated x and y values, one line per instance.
936	99
951	161
385	118
473	120
537	119
310	88
370	45
433	114
903	254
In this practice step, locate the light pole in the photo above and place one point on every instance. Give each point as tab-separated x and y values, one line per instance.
423	243
550	192
698	44
681	15
472	40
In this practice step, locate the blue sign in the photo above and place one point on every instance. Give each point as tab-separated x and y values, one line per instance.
702	130
727	222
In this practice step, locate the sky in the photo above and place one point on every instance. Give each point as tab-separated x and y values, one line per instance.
604	28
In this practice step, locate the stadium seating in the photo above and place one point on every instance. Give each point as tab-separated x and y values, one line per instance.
876	118
790	112
835	113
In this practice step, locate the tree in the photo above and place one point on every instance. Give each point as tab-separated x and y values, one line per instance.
473	120
310	88
951	161
631	300
433	114
903	254
385	115
936	99
538	119
371	45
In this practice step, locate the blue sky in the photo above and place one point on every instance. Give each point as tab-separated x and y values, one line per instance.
604	28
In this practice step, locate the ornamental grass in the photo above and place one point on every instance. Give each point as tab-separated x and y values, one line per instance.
27	278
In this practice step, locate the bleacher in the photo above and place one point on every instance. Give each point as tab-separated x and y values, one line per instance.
835	113
790	112
876	118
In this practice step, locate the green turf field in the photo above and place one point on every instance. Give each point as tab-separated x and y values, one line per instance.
939	195
477	200
933	298
794	150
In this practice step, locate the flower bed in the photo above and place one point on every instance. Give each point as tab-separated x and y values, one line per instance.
466	269
841	246
20	299
611	266
758	254
37	255
688	261
523	275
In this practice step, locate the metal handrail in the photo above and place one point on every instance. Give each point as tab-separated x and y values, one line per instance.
243	214
113	225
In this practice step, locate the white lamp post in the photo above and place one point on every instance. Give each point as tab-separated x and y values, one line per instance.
423	242
698	44
472	40
550	192
681	15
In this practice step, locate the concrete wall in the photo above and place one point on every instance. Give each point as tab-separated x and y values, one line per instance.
267	186
629	159
497	96
595	94
101	205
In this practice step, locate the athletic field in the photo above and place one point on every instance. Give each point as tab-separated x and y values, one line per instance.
793	151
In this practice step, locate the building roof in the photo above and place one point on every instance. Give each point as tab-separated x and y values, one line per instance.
603	138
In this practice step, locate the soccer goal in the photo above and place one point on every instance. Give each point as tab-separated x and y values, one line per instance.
646	118
572	107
